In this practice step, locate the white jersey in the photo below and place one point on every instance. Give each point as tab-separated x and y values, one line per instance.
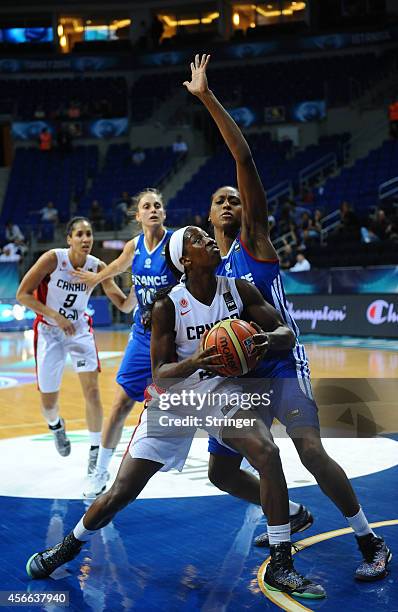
63	292
193	318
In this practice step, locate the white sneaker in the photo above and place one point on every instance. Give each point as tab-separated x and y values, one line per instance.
96	483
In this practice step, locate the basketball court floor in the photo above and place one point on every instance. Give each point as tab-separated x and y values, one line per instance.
183	545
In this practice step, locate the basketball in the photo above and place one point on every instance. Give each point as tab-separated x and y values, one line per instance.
233	339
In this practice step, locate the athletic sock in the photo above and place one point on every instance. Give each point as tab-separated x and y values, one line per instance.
81	533
54	424
293	508
359	523
104	458
278	533
95	438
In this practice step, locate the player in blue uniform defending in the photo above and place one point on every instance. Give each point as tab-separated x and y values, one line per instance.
149	274
240	221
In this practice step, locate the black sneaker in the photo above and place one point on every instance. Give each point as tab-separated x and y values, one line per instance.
42	564
298	522
280	575
376	557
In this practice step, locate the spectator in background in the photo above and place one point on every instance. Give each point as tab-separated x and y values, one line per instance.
138	156
179	145
122	208
302	264
49	214
349	226
380	224
10	253
13	232
309	229
96	215
45	140
287	257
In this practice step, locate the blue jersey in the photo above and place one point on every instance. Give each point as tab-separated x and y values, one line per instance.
150	273
265	275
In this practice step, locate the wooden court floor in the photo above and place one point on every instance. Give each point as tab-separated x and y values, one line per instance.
19	405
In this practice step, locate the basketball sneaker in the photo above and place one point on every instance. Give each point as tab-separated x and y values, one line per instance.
96	483
300	521
62	443
376	557
92	460
43	564
280	575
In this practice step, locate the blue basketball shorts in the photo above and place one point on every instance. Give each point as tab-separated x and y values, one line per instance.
135	373
291	399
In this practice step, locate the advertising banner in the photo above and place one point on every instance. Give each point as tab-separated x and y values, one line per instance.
246	116
99	128
312	282
246	50
381	280
84	63
352	315
14	317
309	110
26	35
9	278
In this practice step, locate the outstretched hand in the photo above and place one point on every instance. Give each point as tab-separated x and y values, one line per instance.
198	85
90	278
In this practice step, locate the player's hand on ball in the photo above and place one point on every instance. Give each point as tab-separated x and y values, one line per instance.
207	359
90	278
65	324
261	341
198	83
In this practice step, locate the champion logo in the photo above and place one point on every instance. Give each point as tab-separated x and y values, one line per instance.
380	311
64	264
183	303
186	312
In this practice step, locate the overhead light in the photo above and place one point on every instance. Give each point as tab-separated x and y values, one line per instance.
60	30
88	21
119	23
252	24
62	41
236	19
169	21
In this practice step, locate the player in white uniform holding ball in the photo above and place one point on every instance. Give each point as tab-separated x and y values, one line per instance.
161	441
62	327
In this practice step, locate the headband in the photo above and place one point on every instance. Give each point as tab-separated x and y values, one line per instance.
176	244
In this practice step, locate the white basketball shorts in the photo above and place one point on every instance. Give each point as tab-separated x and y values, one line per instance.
165	435
52	346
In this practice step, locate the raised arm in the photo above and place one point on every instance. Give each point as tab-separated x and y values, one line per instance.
43	267
274	334
163	348
117	266
255	231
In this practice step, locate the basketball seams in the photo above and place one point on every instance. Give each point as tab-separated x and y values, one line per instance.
230	330
238	347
